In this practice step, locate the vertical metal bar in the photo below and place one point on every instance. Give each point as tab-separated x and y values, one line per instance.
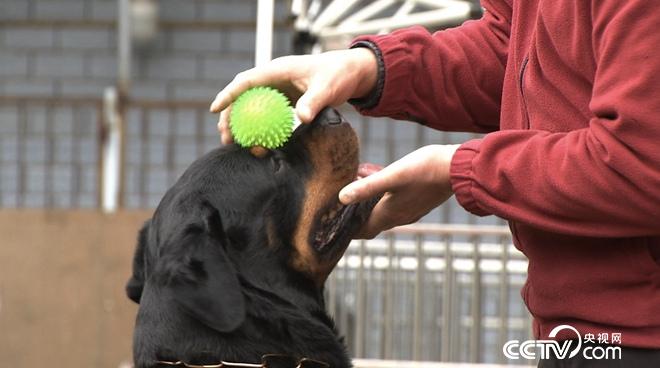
364	139
199	132
171	144
20	154
436	314
379	302
370	281
343	310
388	308
447	296
50	153
124	47
504	297
446	209
122	120
3	161
144	155
112	147
419	277
475	330
264	33
124	73
332	293
99	151
391	142
360	304
75	157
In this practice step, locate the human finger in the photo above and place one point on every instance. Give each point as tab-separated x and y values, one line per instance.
223	126
369	186
241	82
245	80
315	98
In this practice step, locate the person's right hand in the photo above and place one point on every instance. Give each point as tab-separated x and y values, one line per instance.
409	188
312	82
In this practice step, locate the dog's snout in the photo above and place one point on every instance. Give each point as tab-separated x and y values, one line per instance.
333	117
329	116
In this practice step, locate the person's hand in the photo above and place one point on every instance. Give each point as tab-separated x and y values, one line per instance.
314	81
411	188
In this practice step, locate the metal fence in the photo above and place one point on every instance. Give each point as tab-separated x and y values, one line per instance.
431	292
49	151
428	292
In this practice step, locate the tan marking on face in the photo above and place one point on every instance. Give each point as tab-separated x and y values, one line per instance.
258	151
334	157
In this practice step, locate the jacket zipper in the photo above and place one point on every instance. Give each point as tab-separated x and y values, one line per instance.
523	67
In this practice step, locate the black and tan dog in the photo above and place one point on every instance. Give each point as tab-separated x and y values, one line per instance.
232	265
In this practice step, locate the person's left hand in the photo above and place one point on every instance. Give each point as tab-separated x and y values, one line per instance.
411	188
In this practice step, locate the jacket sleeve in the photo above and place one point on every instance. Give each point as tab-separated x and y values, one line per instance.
603	180
449	80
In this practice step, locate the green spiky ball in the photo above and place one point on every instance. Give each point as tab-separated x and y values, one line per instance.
261	116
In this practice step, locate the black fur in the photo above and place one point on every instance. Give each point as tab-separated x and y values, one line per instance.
211	282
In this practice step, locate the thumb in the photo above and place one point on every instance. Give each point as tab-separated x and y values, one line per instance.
367	187
311	102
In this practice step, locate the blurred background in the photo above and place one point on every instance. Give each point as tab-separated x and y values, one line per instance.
103	103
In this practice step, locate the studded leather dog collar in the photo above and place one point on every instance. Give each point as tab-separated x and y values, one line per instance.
267	361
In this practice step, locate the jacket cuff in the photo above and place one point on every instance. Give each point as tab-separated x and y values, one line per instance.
396	66
373	97
462	176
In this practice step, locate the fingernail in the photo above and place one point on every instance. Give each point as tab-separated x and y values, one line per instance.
216	102
304	113
347	196
296	121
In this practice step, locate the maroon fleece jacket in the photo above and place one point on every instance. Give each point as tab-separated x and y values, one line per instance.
570	93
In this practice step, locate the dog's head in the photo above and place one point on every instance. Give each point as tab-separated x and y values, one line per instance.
238	230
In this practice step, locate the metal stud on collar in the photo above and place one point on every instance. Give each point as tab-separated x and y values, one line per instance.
267	361
220	365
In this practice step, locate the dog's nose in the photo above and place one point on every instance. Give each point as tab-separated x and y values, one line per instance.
329	116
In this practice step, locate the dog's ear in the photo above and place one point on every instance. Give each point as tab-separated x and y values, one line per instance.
204	281
136	282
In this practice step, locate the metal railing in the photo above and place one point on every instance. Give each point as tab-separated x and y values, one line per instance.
420	292
49	152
